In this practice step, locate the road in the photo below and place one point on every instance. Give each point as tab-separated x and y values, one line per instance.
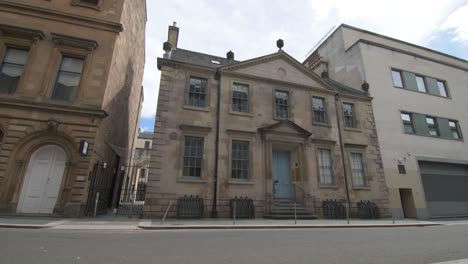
376	245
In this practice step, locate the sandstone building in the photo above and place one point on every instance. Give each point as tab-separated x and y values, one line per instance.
70	94
266	128
420	111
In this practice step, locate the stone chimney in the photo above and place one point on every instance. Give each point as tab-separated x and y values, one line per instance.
173	35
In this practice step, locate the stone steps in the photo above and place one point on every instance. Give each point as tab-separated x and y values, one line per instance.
284	209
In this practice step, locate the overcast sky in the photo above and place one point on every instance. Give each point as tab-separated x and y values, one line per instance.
250	28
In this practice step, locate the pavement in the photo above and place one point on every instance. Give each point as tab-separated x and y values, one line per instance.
125	223
416	245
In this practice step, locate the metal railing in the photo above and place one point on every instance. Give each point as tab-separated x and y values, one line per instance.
190	207
242	207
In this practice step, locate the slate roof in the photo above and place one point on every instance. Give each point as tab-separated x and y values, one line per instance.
205	60
198	58
344	88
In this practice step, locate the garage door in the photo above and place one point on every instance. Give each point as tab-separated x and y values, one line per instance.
446	188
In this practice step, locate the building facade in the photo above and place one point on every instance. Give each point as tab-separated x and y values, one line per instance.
70	94
265	128
420	111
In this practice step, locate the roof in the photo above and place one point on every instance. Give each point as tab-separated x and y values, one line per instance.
197	58
341	88
205	60
145	135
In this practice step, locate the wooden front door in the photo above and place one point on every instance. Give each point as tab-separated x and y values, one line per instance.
282	174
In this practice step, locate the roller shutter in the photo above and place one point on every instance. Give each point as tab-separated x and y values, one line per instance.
446	188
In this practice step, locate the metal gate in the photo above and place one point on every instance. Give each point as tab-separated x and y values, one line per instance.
132	201
101	187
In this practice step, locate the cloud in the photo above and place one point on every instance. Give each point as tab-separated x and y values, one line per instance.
251	28
457	24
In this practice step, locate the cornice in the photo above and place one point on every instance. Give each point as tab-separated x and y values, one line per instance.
20	32
68	18
74	41
51	107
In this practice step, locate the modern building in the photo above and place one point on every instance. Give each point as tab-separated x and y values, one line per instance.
70	94
265	129
419	101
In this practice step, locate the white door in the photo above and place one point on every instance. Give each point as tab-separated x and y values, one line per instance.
42	181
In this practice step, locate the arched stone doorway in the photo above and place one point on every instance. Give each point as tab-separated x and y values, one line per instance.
42	181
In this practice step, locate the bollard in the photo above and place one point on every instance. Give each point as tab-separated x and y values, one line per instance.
165	214
295	214
234	213
96	204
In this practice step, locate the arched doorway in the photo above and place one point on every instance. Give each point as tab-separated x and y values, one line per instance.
42	181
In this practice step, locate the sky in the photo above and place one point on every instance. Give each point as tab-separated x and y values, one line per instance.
250	28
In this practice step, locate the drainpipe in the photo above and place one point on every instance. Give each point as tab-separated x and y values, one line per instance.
214	212
337	99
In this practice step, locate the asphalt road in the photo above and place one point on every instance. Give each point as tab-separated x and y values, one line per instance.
376	245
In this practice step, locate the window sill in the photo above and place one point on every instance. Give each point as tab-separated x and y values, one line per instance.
282	118
203	109
241	182
352	129
446	138
362	188
321	124
191	180
406	89
328	186
241	113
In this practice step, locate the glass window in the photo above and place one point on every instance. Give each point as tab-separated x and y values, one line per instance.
142	173
357	169
11	69
68	79
442	88
432	126
193	155
349	115
401	169
325	166
197	91
407	122
240	160
454	129
320	113
240	98
421	84
1	136
397	79
147	144
282	104
92	2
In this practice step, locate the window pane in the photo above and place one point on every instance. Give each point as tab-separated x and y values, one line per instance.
197	92
397	80
357	169
240	98
442	89
240	160
193	155
282	104
325	166
421	84
432	126
318	106
11	69
68	79
430	120
348	110
16	56
405	117
72	65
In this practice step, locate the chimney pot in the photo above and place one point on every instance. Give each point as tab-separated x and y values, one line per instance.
230	55
324	74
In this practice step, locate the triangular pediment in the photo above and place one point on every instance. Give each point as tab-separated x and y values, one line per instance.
278	66
285	127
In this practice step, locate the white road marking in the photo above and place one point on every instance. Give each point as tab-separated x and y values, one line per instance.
460	261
